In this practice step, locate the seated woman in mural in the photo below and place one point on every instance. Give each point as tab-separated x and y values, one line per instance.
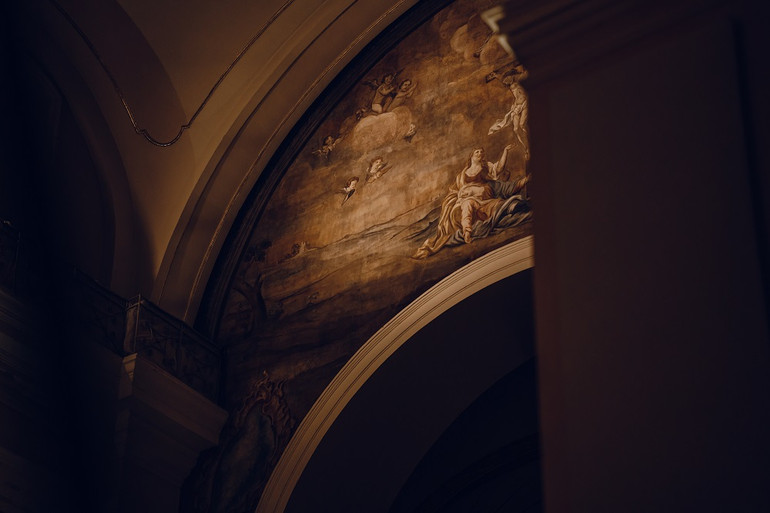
479	202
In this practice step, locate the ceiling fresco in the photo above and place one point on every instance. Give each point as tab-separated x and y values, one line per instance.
418	170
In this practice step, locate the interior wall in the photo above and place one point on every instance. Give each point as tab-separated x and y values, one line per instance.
53	192
651	319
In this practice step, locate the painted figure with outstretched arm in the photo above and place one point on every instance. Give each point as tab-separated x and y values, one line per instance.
516	117
480	201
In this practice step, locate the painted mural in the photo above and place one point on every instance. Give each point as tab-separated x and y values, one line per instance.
421	168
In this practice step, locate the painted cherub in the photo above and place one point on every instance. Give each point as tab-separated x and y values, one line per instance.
518	113
328	145
384	92
349	189
410	133
405	90
377	168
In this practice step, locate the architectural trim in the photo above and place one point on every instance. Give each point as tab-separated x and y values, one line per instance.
213	274
486	270
198	286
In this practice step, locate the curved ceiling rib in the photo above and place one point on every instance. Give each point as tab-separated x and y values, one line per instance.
215	242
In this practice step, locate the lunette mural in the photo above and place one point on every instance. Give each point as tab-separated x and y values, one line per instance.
420	168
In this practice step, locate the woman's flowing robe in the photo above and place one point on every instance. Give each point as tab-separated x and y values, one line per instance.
491	204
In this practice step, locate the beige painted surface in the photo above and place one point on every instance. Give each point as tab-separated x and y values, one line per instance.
165	58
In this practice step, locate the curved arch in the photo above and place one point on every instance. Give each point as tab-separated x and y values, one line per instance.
490	268
262	143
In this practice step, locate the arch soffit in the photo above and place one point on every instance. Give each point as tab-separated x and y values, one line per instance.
482	272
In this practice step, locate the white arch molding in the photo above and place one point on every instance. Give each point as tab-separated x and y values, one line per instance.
482	272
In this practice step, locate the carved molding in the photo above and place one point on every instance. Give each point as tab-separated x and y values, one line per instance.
172	345
484	271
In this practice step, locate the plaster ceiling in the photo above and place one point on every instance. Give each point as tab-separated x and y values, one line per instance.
193	97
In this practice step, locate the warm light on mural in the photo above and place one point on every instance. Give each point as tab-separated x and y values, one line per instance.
418	170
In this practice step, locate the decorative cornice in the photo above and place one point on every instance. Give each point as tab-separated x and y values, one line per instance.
480	273
172	345
143	131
